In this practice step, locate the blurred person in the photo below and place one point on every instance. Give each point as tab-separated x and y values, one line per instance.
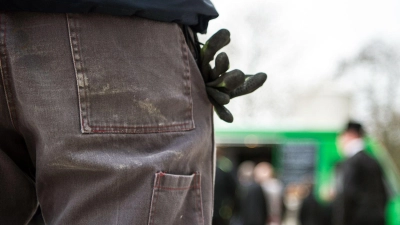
312	212
253	204
224	197
361	194
224	191
264	175
293	196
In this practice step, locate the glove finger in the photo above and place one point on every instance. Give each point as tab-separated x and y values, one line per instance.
220	97
251	84
228	81
206	71
214	44
221	65
222	112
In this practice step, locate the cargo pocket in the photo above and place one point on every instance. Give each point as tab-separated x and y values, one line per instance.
132	74
176	200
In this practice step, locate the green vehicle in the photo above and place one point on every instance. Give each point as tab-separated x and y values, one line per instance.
303	155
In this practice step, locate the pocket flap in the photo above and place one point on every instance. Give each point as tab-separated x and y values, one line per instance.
176	200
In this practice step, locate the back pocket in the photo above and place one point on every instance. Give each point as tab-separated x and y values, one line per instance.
132	74
176	200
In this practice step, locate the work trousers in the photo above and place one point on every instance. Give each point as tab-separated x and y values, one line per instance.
103	120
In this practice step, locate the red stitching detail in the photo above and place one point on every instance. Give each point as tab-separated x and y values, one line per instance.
144	131
182	188
138	126
161	174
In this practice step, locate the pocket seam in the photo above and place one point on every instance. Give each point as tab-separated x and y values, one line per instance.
153	208
75	52
196	187
188	83
199	201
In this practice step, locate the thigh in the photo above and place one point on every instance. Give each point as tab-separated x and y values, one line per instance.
118	117
17	189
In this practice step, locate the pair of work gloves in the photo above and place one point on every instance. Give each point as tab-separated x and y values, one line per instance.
221	85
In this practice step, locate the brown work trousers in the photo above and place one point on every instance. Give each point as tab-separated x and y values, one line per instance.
103	120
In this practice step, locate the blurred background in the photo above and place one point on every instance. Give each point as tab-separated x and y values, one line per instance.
327	62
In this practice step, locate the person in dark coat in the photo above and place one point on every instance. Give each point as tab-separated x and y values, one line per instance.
313	212
253	203
224	197
362	196
254	206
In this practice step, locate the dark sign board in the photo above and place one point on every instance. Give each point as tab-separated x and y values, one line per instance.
297	162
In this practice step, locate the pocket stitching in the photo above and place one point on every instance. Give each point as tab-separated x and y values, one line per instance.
185	58
153	208
198	198
77	67
199	201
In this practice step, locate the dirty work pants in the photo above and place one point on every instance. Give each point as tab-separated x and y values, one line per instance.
103	120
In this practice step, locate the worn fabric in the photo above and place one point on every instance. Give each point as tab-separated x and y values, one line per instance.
103	120
195	13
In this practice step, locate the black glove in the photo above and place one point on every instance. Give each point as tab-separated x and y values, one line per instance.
221	85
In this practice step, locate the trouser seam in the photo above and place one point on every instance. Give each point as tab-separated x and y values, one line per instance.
4	69
187	75
213	158
73	38
200	199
